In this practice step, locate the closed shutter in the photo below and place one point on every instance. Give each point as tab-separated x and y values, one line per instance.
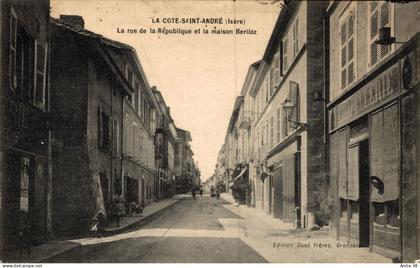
385	153
342	163
289	182
353	173
278	193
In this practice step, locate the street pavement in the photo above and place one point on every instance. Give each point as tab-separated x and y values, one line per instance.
209	230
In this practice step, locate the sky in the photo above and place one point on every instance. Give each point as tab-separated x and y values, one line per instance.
199	75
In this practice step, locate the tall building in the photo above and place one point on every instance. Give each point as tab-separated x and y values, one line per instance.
373	125
25	158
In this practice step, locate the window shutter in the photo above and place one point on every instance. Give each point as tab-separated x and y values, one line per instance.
100	128
294	98
40	66
278	125
13	48
385	153
285	63
353	173
342	163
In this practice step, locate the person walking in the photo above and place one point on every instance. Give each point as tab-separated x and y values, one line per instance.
201	191
193	192
217	193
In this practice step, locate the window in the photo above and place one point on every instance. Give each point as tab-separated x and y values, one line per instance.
295	38
285	124
271	132
12	48
278	125
347	45
272	83
285	62
117	137
103	130
40	74
379	16
266	89
136	96
276	69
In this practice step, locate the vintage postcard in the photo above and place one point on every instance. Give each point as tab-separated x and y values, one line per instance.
198	131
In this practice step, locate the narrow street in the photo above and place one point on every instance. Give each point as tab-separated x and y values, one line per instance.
209	230
190	231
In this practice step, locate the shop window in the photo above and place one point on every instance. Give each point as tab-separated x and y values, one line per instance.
343	208
380	15
379	214
354	216
393	213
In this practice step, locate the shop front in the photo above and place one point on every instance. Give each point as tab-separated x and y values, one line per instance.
372	137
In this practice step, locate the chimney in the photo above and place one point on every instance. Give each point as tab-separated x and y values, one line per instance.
73	20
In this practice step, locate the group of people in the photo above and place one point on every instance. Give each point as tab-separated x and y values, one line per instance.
213	192
193	192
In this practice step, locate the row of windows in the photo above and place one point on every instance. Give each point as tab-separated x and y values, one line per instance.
278	67
379	15
28	64
138	100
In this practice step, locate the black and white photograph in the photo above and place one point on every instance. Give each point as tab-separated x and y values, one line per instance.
209	132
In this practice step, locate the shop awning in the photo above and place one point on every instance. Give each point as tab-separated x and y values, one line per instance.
240	174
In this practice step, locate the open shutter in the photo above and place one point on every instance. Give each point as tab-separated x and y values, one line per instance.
353	173
342	163
385	153
294	98
40	66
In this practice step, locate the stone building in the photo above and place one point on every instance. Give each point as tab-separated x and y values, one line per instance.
88	89
373	124
25	159
288	126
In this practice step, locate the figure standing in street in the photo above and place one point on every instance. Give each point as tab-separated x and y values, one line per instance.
217	193
201	191
193	192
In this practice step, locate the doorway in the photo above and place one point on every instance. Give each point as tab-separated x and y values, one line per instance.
364	225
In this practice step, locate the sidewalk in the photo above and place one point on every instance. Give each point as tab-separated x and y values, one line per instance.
261	215
280	242
149	213
54	249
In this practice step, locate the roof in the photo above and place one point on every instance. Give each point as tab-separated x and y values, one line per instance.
90	34
235	111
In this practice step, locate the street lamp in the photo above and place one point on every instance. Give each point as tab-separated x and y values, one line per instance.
385	38
289	107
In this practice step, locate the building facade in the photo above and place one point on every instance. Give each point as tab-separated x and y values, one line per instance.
288	126
87	100
373	124
25	159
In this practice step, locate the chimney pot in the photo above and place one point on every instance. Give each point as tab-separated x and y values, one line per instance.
74	20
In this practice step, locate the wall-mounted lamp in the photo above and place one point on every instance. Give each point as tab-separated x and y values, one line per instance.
385	38
288	107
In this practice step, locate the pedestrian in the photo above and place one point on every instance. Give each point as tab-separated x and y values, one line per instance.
201	191
98	225
193	192
217	193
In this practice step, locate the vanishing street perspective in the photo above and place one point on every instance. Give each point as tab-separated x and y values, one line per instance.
319	157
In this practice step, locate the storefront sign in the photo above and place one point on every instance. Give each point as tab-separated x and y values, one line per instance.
380	89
